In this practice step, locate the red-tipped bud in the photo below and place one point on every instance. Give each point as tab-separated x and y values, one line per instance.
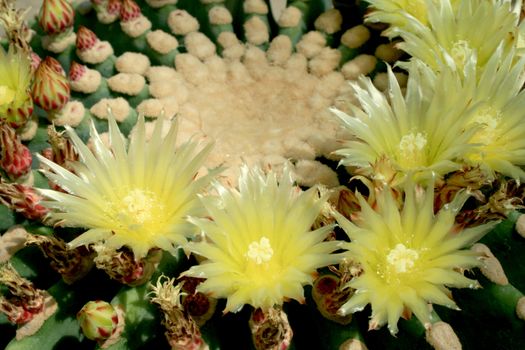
98	320
15	157
50	86
76	71
129	11
114	7
22	199
56	16
86	39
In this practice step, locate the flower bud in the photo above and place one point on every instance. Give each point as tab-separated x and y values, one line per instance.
56	16
98	320
15	157
22	199
50	86
129	11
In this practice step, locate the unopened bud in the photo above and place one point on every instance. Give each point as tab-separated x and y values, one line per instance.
56	16
50	86
100	321
15	157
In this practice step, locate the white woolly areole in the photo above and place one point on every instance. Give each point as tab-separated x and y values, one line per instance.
388	52
127	83
258	7
166	88
216	68
58	43
193	70
160	3
232	47
157	73
97	54
161	41
355	37
290	17
381	80
28	130
105	17
311	44
199	45
132	62
155	108
119	107
182	23
296	67
330	84
311	172
325	62
71	114
329	21
136	27
87	83
441	336
256	31
362	64
280	49
220	15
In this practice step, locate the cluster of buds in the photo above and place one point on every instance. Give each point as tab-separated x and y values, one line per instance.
121	265
26	306
22	199
102	322
330	291
50	88
270	329
182	332
72	264
15	157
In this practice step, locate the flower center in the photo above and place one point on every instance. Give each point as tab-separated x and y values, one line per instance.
401	258
260	251
139	207
7	95
460	52
412	150
488	119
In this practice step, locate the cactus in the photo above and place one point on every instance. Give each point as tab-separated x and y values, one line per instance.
226	174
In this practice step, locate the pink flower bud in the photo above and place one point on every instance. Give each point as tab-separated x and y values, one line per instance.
15	157
56	16
50	86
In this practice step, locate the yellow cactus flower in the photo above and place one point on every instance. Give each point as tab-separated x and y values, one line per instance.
498	118
409	256
420	133
396	12
137	196
258	243
455	37
15	77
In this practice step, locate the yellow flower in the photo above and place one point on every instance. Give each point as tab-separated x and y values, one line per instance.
420	133
498	118
15	78
259	246
409	256
137	196
455	37
397	12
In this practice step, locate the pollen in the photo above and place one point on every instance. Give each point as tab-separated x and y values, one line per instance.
412	150
402	259
260	252
460	52
137	208
488	119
